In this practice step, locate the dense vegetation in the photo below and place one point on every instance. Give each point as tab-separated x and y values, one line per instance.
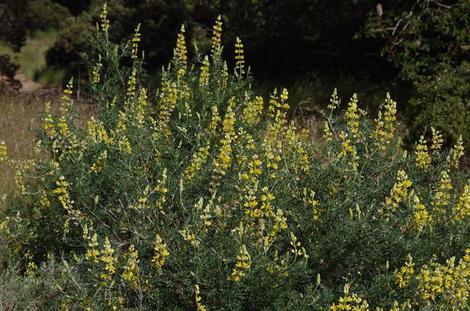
417	49
207	196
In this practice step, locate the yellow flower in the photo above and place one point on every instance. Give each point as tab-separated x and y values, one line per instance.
399	191
3	151
198	299
100	162
242	264
352	116
437	140
442	196
421	216
216	48
131	268
239	58
108	259
350	302
104	18
405	273
423	158
197	161
385	124
456	153
135	42
462	209
334	101
204	74
180	54
160	253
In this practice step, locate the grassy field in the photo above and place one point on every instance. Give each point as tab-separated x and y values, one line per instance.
19	117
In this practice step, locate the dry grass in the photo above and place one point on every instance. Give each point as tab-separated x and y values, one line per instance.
19	117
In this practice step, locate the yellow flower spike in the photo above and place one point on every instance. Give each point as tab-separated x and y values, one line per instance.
253	111
132	84
216	48
437	140
161	189
423	158
384	129
225	75
421	216
161	252
197	297
456	153
327	133
334	101
461	210
3	151
108	259
95	76
403	276
168	98
242	264
104	19
141	105
204	74
92	253
350	302
131	268
239	58
180	54
197	162
100	162
445	285
352	116
442	196
135	42
399	191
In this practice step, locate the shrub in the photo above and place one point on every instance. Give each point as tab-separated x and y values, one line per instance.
206	196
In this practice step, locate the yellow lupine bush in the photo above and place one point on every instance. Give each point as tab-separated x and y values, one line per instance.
205	182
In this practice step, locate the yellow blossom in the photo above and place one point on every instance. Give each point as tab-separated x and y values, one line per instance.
216	48
399	191
423	158
352	116
404	274
3	151
239	58
135	42
350	302
131	268
437	140
204	74
421	216
456	153
198	299
461	210
160	253
442	196
242	264
108	259
180	54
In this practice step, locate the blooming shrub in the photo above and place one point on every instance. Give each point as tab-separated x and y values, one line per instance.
205	196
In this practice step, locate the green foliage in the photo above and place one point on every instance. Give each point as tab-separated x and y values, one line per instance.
7	74
46	15
428	42
205	195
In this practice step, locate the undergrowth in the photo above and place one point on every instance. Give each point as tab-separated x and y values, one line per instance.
205	196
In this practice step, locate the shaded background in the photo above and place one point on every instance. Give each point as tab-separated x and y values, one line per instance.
417	50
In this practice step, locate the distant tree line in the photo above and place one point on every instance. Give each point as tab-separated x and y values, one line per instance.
423	43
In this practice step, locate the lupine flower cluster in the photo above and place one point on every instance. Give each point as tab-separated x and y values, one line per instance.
206	196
